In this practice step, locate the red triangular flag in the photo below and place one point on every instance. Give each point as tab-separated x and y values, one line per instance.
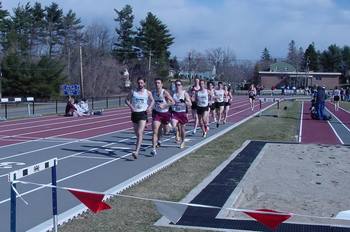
92	200
272	221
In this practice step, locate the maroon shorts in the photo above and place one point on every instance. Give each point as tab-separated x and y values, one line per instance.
163	117
181	117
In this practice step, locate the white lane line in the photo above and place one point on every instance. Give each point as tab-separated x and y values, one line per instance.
335	132
301	121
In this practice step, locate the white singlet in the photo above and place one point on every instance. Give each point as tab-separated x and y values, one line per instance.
220	94
139	100
159	99
202	98
179	106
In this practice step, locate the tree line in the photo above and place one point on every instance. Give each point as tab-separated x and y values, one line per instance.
41	45
332	59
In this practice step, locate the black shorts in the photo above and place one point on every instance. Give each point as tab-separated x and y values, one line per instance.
194	105
219	104
201	110
212	107
136	117
336	98
252	97
227	104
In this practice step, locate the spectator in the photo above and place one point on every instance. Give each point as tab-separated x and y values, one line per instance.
320	101
70	108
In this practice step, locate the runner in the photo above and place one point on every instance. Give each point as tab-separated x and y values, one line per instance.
252	94
211	88
219	102
202	98
336	98
179	115
193	90
140	101
227	100
160	114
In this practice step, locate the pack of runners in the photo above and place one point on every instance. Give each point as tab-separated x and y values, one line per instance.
169	109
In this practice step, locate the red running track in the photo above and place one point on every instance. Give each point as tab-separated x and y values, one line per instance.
16	131
316	131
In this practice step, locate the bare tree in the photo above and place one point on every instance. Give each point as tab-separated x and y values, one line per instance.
102	74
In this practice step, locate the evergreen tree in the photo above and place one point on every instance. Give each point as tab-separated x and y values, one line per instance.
124	49
265	60
292	57
154	39
3	25
311	60
53	23
346	61
331	59
300	58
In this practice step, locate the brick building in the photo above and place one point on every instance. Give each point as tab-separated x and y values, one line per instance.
282	74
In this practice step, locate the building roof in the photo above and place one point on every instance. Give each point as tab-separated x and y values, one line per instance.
282	67
302	73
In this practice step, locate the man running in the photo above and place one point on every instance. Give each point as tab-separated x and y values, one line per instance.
140	101
211	88
161	114
227	100
179	115
252	95
193	90
202	100
219	102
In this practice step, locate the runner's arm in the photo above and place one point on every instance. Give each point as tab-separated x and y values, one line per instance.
188	100
128	103
170	100
151	101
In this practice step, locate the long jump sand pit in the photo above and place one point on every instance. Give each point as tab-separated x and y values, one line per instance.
303	179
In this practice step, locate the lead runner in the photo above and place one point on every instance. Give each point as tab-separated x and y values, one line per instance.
140	101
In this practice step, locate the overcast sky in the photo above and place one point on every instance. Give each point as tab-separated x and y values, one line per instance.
245	26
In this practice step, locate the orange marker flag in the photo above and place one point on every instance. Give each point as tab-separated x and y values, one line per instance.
92	200
271	220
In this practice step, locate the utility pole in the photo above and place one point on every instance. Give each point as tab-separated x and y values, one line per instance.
81	72
1	82
189	67
149	61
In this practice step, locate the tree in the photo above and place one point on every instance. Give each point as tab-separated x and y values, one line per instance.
154	39
310	60
53	23
331	59
3	25
346	62
265	60
300	58
124	48
292	56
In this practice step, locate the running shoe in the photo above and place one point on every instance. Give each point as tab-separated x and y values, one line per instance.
204	134
182	145
194	131
217	125
154	152
134	155
158	144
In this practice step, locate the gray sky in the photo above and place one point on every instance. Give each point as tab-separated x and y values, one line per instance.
245	26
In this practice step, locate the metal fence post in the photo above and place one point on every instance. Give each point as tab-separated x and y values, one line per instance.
56	106
6	110
33	108
107	102
13	207
92	103
54	197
